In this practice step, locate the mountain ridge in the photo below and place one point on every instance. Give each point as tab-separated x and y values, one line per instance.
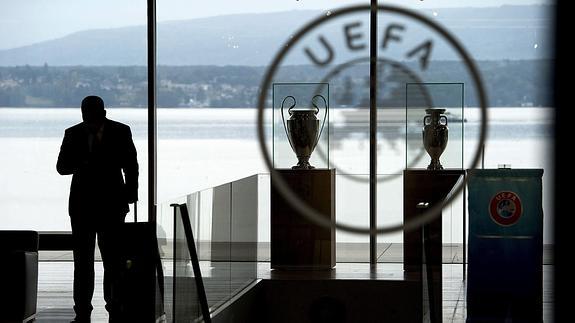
491	33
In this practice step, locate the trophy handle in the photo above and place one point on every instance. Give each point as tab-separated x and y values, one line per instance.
283	118
426	120
317	111
443	118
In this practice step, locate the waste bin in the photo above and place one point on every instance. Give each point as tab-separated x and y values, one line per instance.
505	273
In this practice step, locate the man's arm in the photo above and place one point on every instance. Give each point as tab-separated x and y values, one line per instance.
131	168
67	159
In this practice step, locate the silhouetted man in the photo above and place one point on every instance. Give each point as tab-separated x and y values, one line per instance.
96	152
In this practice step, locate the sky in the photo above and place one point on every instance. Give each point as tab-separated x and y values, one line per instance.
30	21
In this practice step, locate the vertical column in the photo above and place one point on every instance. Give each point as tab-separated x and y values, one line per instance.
373	133
562	200
152	152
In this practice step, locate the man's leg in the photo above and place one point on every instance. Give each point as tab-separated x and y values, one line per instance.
109	244
84	239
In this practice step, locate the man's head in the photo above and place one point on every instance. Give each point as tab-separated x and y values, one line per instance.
93	112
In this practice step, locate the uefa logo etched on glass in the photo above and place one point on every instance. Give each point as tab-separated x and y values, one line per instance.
336	42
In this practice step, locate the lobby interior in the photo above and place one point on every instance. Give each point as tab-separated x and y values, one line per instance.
212	147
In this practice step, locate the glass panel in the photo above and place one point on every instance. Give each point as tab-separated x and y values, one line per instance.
167	247
392	75
516	73
348	76
52	55
245	207
425	103
352	208
220	67
264	220
210	69
220	246
390	213
224	222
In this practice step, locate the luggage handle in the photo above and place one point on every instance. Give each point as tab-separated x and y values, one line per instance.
135	211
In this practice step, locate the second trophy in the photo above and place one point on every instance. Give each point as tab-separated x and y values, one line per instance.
435	134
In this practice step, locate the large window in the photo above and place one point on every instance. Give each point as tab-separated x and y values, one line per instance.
211	58
52	55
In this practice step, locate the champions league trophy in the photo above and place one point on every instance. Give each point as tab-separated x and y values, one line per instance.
303	129
435	133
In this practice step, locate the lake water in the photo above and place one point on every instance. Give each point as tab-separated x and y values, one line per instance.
201	148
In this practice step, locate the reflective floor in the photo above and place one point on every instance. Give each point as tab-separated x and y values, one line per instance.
346	252
55	286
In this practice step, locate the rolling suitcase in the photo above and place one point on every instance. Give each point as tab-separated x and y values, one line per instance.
139	289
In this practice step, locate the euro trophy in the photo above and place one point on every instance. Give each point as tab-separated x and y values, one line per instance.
302	129
435	134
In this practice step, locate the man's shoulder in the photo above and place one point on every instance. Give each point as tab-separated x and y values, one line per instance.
116	125
75	128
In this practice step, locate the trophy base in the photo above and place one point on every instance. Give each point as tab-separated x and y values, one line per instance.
303	165
434	165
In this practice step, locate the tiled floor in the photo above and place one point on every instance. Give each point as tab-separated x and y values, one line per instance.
55	286
55	292
346	252
56	276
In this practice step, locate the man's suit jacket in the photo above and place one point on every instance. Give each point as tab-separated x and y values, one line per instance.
98	191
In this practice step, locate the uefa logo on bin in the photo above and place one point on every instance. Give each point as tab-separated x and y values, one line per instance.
505	208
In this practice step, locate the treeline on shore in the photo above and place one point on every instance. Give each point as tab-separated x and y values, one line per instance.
508	83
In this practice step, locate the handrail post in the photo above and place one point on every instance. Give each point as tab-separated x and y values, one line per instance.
175	206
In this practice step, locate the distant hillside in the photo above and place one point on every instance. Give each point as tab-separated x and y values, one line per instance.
508	83
507	32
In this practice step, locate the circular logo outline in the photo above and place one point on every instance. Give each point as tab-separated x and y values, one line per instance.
421	152
495	207
301	206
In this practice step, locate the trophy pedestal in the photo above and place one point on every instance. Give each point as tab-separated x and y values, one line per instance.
422	247
296	241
